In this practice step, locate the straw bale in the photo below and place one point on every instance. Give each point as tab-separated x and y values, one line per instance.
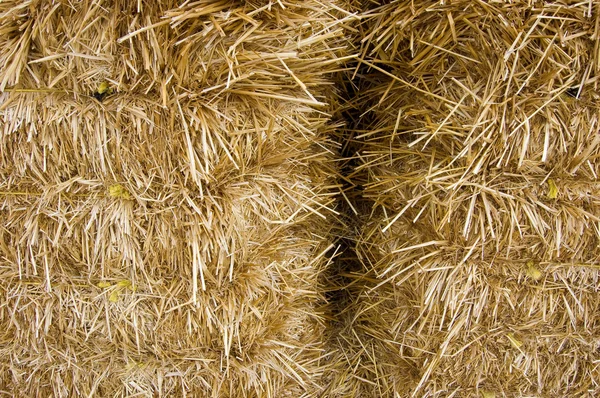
167	196
478	166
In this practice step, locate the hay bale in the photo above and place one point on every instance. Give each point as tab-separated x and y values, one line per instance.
166	196
480	251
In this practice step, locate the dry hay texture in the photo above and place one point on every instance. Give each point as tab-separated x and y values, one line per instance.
479	166
167	194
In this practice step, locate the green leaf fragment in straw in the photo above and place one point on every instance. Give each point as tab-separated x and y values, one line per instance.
103	285
114	296
488	394
135	365
513	340
103	88
552	189
124	283
118	191
533	272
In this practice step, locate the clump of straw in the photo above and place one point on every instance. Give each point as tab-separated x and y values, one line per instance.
166	196
480	249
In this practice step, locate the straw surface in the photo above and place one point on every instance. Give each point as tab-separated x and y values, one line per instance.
166	196
479	248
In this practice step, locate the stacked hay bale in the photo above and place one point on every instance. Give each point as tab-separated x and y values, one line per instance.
166	196
480	247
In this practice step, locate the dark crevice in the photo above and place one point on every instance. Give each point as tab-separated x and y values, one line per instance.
350	204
